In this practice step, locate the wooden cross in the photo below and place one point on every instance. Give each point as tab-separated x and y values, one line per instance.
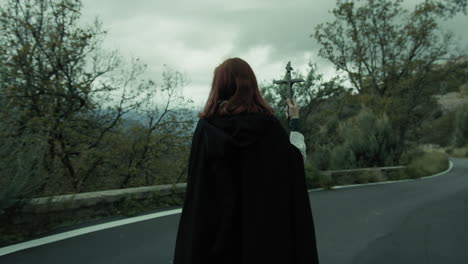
288	81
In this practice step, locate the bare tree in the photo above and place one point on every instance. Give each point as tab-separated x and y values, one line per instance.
166	125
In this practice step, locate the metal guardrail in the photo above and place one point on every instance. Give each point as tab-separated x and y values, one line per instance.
331	172
74	201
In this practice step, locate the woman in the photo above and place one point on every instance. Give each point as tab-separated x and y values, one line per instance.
246	200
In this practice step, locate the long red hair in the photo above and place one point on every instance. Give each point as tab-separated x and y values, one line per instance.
235	82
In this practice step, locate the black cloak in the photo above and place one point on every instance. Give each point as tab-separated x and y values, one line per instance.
246	200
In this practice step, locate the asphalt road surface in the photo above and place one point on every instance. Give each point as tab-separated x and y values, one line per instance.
421	221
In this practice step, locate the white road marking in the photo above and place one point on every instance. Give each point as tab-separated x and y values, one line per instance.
90	229
82	231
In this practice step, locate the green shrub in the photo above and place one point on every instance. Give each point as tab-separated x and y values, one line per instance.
358	177
464	89
459	152
439	131
409	155
315	179
326	181
427	164
367	141
460	134
369	177
396	175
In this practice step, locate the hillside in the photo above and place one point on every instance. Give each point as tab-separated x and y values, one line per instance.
452	100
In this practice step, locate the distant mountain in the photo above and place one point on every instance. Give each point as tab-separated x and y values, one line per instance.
451	101
132	118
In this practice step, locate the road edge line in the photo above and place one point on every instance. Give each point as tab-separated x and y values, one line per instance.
81	231
386	182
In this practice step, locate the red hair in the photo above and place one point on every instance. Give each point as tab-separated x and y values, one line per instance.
234	81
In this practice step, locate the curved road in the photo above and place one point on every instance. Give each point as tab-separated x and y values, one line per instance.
421	221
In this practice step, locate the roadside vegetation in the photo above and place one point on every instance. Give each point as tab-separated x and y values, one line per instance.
459	152
427	163
419	163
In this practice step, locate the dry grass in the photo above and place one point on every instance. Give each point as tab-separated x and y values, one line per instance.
427	164
458	152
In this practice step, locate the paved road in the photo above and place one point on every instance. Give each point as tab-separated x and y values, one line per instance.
417	222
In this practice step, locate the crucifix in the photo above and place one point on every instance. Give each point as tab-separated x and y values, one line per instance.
288	81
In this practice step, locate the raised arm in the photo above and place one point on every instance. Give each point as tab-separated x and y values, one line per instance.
296	138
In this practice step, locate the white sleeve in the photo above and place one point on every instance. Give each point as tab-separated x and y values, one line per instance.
297	139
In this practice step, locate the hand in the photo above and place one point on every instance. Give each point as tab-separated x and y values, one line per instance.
292	110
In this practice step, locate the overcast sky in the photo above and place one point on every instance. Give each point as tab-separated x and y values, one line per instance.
195	36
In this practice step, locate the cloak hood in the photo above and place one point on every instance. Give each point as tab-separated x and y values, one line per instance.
225	134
